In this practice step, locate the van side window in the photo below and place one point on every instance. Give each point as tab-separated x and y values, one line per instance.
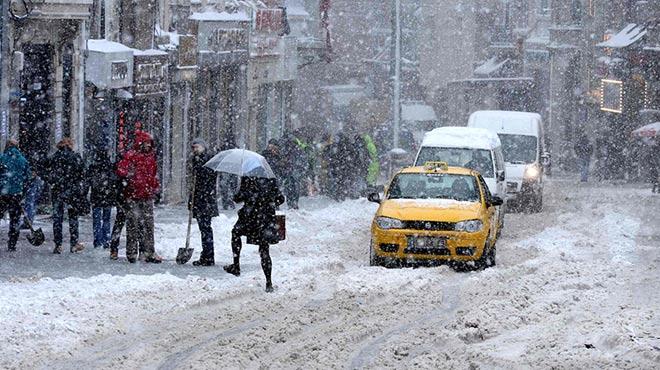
484	186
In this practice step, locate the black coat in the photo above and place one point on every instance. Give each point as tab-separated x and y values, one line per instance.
256	219
66	176
103	182
205	201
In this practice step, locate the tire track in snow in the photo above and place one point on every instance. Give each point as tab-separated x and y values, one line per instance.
368	353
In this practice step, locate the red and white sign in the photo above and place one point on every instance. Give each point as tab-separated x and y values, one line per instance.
269	20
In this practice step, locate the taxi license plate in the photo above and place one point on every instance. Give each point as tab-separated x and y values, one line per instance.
426	242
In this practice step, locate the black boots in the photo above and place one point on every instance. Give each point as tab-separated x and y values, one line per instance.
204	262
233	269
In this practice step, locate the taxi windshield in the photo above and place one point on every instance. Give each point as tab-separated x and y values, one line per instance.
479	160
434	186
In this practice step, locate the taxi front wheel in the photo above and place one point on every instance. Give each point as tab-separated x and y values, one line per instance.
486	260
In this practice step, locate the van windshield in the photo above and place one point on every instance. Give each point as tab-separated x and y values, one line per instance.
519	149
479	160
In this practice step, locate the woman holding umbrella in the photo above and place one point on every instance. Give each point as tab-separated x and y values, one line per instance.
260	195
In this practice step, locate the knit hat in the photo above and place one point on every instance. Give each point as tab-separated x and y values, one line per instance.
199	141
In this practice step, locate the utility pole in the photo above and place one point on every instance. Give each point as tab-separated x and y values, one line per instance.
396	124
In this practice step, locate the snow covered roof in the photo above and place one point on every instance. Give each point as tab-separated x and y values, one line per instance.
212	15
491	66
105	46
461	137
626	37
417	112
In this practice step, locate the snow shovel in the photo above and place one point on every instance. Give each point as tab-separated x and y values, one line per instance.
185	254
36	237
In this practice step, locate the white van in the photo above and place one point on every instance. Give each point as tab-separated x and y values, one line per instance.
474	148
521	134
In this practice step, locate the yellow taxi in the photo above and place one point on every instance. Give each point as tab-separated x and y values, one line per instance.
435	213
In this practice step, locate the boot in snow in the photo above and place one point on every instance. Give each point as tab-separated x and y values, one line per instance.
204	262
57	250
233	269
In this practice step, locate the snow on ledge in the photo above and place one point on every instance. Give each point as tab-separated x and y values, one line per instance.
211	15
105	46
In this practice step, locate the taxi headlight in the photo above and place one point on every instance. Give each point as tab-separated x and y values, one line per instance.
470	226
387	223
532	172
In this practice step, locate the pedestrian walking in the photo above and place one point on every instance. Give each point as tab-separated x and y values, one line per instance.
583	151
256	221
65	175
295	167
139	169
103	183
203	201
14	178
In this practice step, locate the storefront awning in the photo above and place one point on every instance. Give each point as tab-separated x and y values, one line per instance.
626	37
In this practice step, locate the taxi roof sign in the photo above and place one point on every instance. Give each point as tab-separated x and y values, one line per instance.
435	166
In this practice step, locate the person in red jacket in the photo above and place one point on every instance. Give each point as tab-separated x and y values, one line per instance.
138	168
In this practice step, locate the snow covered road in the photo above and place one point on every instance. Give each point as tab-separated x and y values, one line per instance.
575	287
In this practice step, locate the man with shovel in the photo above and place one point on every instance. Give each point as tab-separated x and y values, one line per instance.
14	175
203	199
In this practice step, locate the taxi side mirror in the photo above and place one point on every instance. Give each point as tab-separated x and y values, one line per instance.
495	202
374	197
501	175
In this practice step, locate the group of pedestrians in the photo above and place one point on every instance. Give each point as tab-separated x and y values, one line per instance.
350	166
130	184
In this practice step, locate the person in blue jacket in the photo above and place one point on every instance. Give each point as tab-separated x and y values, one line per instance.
14	178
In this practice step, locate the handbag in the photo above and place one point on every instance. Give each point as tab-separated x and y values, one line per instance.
280	225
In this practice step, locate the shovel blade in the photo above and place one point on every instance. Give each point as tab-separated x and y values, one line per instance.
184	255
36	237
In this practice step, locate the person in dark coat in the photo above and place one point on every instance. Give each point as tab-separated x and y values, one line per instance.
14	179
103	183
583	151
273	155
340	169
295	167
120	217
256	221
204	199
65	175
